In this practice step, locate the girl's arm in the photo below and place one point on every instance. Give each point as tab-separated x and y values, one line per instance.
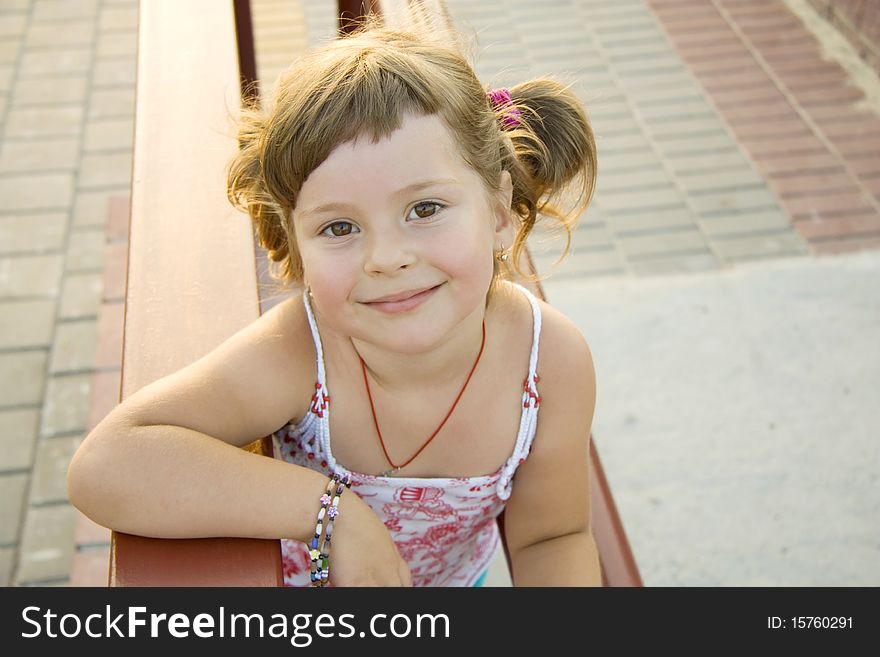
547	518
166	462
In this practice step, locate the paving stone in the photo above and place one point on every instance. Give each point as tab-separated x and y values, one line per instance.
622	123
604	109
12	25
46	549
16	5
105	170
85	250
74	346
49	478
118	18
782	243
655	198
32	232
688	108
25	156
110	134
24	376
26	323
71	60
114	72
662	78
580	262
60	34
118	102
647	67
105	396
634	179
110	329
744	223
612	162
733	201
66	90
36	191
680	145
627	51
66	407
651	245
91	207
618	143
9	51
675	264
13	489
115	264
81	296
44	122
26	276
62	10
121	44
6	72
18	438
688	128
712	181
658	96
91	567
703	162
7	563
650	220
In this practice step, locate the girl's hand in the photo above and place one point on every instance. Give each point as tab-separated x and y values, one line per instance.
363	552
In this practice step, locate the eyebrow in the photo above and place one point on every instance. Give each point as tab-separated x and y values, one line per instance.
417	186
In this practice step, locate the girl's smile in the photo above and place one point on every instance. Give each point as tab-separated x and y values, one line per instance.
403	301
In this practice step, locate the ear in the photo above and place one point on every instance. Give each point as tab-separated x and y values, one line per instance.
503	225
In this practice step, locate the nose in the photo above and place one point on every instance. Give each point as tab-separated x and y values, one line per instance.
388	252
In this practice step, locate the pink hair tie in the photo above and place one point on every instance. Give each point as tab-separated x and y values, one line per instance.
501	101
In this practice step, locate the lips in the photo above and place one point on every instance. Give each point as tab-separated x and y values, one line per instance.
403	302
401	296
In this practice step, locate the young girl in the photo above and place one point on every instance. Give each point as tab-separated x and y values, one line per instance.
397	193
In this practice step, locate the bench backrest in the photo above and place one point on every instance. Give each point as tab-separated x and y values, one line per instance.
191	272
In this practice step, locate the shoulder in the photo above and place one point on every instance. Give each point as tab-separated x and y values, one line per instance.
564	356
290	354
247	387
567	385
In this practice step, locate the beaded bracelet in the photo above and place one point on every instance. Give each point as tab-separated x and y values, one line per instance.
342	483
314	552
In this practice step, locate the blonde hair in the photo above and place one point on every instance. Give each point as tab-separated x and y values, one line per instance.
364	84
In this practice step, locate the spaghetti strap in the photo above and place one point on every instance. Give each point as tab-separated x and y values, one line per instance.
315	336
531	401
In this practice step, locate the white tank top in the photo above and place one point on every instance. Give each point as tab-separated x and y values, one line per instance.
443	527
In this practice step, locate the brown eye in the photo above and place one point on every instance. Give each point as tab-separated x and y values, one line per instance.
426	209
338	229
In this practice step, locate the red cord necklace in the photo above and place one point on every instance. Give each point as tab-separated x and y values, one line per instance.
437	430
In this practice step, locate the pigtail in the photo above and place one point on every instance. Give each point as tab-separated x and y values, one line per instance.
246	191
553	162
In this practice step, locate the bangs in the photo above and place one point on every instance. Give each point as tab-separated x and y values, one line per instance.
349	93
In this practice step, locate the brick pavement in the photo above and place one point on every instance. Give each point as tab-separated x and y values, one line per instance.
723	138
66	104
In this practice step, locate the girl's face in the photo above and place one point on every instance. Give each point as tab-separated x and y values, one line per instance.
397	238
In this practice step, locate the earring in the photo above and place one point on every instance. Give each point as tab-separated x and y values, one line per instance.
502	254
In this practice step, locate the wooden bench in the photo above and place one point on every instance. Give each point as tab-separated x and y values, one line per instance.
192	270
